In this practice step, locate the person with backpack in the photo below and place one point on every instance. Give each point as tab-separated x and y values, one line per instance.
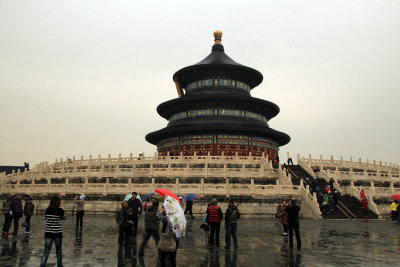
28	212
151	223
214	218
17	210
232	215
7	214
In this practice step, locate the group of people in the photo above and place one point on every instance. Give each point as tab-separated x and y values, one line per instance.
330	199
212	223
13	211
288	214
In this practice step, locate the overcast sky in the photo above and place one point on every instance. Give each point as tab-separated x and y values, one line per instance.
85	77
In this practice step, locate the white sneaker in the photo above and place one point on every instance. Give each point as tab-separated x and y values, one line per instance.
26	232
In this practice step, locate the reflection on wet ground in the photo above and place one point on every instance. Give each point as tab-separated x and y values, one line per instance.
329	243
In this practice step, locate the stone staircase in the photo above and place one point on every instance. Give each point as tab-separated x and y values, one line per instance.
349	207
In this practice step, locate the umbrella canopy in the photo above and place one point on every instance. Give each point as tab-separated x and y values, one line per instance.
129	196
148	196
191	197
164	192
176	217
396	197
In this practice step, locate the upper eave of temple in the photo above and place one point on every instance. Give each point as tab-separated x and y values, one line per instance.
218	65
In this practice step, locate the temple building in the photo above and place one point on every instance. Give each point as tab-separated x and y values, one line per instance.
215	113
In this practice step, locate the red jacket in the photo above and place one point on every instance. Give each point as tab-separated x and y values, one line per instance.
214	214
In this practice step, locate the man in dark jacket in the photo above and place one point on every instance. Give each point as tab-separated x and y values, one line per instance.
151	223
125	222
16	208
7	215
293	221
214	218
135	206
28	212
232	215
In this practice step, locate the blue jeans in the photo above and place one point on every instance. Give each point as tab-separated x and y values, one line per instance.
47	248
231	230
146	238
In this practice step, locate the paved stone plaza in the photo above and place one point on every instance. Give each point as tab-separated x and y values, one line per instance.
329	243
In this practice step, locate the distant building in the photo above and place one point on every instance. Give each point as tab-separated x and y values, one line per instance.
9	169
215	113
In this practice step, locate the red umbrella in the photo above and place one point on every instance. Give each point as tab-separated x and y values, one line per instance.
162	192
396	197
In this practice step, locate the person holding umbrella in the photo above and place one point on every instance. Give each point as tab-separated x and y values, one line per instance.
135	208
189	204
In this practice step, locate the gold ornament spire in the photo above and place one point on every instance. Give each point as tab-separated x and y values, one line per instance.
217	37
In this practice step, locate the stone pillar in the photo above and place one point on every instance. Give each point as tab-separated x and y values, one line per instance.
252	188
202	187
177	185
227	188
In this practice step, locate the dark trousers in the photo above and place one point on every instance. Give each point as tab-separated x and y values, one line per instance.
28	223
285	227
189	210
79	219
124	233
394	215
289	161
231	230
146	238
214	236
16	217
294	226
172	256
48	242
7	222
135	226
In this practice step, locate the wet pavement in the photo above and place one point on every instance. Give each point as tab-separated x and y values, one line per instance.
328	243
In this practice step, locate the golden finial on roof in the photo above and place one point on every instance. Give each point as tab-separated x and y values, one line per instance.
217	37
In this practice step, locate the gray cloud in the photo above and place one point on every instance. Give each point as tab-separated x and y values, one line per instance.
85	77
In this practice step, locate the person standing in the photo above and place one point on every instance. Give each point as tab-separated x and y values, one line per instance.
364	207
214	218
135	207
16	207
335	200
232	215
167	231
283	217
362	195
151	223
79	202
289	159
125	223
28	212
293	221
331	182
7	214
393	209
189	206
53	232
